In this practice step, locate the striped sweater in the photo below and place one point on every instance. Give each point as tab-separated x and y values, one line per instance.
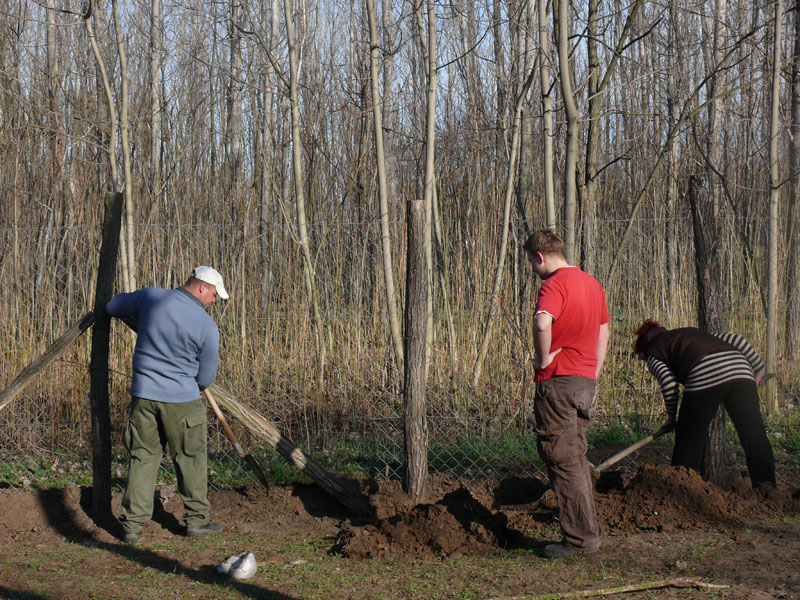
738	363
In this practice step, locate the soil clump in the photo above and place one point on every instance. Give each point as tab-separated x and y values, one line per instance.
476	520
458	518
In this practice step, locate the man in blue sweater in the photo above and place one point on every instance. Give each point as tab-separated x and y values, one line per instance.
175	358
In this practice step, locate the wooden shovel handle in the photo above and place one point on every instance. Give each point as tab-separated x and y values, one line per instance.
629	450
223	422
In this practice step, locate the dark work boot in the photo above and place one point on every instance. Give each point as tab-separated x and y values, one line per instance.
210	527
130	537
564	550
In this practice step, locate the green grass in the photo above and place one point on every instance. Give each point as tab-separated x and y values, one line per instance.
301	568
47	473
614	435
785	433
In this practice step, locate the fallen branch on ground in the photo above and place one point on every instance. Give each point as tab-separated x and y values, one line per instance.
680	582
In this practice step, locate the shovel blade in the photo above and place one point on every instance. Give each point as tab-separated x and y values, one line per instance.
256	468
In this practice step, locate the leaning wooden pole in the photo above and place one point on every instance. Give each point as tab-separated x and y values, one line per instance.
346	492
56	349
98	366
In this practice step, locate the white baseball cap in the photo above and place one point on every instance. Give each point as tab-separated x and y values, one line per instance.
211	276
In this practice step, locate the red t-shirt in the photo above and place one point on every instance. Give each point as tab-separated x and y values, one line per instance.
577	303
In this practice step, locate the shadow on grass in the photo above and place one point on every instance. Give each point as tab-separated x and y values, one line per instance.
62	520
9	594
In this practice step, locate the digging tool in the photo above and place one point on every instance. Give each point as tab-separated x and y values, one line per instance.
249	458
346	491
629	450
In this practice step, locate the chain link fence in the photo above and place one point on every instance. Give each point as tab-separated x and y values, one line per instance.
346	411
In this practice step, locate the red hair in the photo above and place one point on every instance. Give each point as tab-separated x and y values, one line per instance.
646	326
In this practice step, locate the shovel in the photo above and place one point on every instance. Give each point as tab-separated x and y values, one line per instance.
629	450
251	461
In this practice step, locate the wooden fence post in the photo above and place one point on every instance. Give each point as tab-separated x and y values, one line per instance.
415	338
98	366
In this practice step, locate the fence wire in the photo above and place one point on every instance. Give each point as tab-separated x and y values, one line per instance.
347	412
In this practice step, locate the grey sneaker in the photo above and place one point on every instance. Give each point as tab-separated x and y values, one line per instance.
130	537
210	527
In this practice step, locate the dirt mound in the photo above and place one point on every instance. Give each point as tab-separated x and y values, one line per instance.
457	518
455	525
475	521
664	498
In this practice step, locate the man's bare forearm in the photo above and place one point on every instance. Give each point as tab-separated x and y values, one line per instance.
542	334
602	348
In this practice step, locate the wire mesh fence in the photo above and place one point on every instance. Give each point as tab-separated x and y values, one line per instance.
346	411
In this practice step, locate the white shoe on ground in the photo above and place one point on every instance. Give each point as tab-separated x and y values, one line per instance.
245	567
226	565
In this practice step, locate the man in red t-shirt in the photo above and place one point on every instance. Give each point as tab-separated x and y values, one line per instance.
570	340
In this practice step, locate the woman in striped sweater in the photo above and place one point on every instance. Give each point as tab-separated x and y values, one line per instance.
713	369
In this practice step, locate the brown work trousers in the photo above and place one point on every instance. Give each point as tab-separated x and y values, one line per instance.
563	409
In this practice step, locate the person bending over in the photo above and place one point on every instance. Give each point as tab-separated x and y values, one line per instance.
175	358
713	369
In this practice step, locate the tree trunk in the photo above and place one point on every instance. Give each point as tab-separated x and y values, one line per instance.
500	80
156	41
443	270
597	87
297	172
129	261
592	144
689	110
547	117
774	227
430	171
793	219
414	384
707	238
561	20
54	134
383	192
528	151
234	127
499	271
267	183
709	308
387	114
106	121
673	103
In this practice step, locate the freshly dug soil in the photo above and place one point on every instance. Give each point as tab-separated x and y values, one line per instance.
458	518
660	523
665	498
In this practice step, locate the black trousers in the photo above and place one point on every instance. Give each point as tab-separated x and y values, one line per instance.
742	404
